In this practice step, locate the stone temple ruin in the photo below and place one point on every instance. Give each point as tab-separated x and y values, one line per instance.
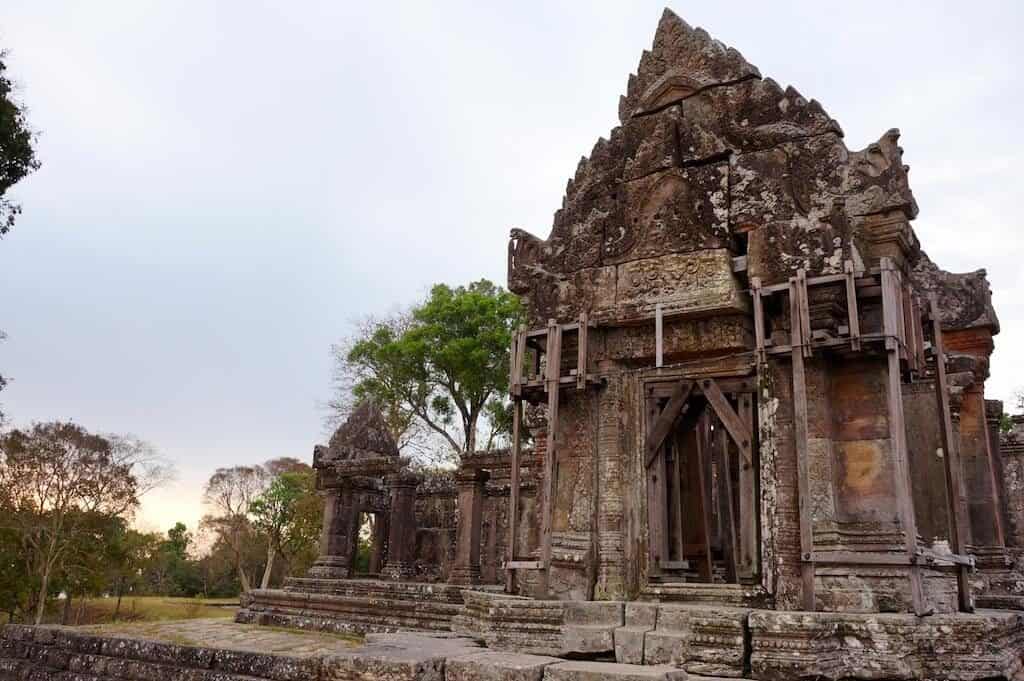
760	448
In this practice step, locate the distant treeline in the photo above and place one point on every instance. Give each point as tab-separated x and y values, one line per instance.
67	499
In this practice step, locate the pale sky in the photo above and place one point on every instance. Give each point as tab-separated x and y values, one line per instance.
227	186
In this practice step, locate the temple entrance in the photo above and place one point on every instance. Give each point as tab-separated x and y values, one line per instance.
369	545
702	481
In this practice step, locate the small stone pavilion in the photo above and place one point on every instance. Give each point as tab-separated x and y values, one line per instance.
761	444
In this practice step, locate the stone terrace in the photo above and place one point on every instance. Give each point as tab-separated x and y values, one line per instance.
219	650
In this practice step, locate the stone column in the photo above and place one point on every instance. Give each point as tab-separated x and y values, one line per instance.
1011	450
470	484
402	526
335	561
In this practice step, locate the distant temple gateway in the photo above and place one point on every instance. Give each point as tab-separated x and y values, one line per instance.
761	445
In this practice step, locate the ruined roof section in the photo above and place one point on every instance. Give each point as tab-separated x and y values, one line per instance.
965	299
681	61
364	434
710	161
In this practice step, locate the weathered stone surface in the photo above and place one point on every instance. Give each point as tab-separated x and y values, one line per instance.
497	667
682	61
607	671
965	300
829	645
681	210
695	283
363	434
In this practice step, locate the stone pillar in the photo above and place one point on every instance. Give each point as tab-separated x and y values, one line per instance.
611	559
401	526
335	561
470	484
1011	450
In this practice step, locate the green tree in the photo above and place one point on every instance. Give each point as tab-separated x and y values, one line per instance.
281	513
132	556
16	582
59	484
171	570
444	366
17	153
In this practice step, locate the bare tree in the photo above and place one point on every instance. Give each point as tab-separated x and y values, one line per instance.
229	493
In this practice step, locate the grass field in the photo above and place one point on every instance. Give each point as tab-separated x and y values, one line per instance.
141	609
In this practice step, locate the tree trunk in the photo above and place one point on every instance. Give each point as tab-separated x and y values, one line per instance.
470	428
41	603
271	554
78	613
243	579
65	617
120	593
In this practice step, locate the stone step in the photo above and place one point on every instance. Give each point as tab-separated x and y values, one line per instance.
489	666
611	671
423	591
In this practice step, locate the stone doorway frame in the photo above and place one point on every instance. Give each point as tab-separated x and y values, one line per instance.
698	413
378	541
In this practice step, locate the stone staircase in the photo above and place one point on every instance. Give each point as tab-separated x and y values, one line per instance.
370	613
355	605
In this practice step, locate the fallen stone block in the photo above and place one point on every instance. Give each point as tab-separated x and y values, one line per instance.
610	671
498	667
629	639
669	642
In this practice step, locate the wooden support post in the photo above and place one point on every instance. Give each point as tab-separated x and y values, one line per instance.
677	496
892	306
727	522
582	352
513	378
800	439
513	495
653	513
909	336
956	498
852	313
805	312
702	439
518	358
755	292
919	334
659	532
554	370
658	336
748	495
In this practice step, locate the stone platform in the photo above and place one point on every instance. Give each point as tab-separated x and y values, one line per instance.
219	650
628	642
